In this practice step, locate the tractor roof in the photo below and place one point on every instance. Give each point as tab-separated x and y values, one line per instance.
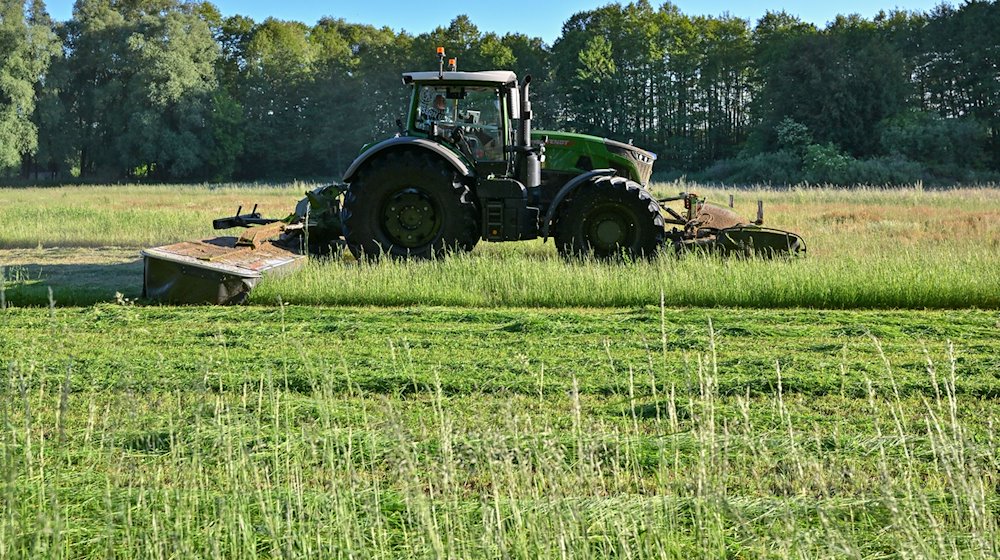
490	77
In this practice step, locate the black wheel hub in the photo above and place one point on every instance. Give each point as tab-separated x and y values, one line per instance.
411	218
608	228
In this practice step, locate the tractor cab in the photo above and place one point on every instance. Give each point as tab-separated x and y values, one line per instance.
470	111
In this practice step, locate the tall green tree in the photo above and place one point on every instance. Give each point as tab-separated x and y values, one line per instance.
588	72
676	89
46	47
840	82
26	49
957	68
142	76
357	92
532	57
724	84
169	95
279	74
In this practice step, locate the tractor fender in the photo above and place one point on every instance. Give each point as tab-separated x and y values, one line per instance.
420	143
565	191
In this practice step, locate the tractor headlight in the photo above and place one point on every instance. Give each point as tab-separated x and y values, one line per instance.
641	159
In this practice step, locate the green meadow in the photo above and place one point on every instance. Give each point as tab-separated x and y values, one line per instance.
506	403
867	248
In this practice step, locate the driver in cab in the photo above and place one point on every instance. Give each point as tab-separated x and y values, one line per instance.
438	111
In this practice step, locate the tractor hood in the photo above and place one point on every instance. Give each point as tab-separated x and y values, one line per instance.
573	152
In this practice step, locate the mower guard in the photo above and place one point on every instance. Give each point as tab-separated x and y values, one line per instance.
746	241
212	271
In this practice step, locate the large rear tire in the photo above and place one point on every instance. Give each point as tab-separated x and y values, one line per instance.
610	217
409	204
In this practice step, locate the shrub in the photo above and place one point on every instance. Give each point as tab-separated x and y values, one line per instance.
802	160
781	167
948	146
793	136
824	163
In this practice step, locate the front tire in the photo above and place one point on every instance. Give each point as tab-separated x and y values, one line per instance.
610	217
409	204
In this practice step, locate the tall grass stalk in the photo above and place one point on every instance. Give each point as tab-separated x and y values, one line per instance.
901	279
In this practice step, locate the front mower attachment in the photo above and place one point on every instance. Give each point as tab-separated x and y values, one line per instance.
222	270
755	240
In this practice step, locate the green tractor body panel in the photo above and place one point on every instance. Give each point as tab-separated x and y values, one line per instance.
570	154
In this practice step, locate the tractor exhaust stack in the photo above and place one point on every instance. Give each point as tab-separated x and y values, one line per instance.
530	162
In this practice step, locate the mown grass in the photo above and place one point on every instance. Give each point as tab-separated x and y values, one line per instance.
868	248
648	432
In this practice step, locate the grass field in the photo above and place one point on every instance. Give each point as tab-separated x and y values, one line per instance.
507	404
432	432
868	248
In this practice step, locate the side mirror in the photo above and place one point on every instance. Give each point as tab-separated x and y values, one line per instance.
514	102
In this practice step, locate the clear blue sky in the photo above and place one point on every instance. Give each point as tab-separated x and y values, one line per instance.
503	16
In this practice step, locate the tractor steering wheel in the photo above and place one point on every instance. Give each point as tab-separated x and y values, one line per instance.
459	139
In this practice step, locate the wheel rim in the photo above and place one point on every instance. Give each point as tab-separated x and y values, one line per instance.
609	228
411	218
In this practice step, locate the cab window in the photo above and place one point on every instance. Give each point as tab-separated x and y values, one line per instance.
475	109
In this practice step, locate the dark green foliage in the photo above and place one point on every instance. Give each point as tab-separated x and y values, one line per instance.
277	77
957	71
840	83
949	147
781	167
165	89
26	47
676	84
800	160
825	164
793	136
228	136
137	90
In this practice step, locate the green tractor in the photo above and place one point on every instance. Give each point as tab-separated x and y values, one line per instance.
466	166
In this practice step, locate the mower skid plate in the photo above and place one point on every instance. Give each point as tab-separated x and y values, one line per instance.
761	241
745	241
212	271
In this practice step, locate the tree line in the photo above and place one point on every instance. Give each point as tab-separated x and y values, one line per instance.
172	90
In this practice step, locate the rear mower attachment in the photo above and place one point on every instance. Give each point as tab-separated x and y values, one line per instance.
714	228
